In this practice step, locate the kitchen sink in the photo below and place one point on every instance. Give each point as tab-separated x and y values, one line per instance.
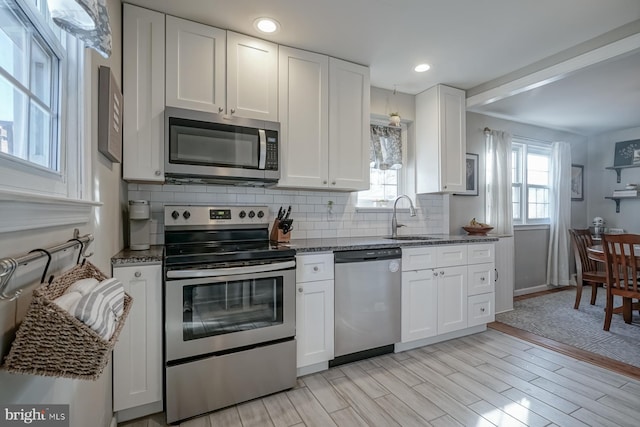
412	238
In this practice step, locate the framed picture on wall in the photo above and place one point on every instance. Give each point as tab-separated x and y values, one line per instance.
471	174
577	182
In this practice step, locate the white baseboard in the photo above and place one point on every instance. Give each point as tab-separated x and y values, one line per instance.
312	369
439	338
139	411
113	423
525	291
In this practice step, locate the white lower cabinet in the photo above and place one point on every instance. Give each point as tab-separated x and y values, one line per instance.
446	289
137	356
314	309
419	305
452	298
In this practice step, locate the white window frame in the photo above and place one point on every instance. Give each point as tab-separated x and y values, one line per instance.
31	196
524	147
403	172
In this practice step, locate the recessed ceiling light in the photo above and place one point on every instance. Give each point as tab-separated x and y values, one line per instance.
266	25
421	68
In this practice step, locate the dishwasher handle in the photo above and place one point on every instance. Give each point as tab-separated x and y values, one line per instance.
343	257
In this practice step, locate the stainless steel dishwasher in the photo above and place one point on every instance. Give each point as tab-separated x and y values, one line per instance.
367	303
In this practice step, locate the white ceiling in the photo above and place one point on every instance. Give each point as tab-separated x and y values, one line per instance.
473	45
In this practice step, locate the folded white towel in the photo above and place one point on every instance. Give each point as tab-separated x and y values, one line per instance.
68	301
84	286
113	292
95	312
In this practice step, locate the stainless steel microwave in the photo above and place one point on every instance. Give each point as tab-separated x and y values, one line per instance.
205	147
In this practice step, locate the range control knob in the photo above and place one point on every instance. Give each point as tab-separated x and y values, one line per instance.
260	214
175	214
186	214
252	214
242	214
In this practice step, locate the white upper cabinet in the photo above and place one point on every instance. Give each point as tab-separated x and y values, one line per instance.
218	71
252	77
324	117
440	140
304	118
143	88
196	66
349	117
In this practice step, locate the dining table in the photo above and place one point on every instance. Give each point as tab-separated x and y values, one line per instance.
596	253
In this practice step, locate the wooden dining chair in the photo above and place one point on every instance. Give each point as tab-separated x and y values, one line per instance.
621	255
588	271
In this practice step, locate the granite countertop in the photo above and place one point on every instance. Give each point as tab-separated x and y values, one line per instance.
153	255
374	242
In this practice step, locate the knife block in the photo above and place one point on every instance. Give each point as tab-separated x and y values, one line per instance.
277	235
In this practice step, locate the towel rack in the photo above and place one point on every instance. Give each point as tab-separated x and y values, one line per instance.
8	266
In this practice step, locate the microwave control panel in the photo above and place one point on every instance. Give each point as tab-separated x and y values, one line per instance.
272	151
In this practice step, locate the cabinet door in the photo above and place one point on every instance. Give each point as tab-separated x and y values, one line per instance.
195	66
314	322
143	88
349	105
480	278
440	140
452	299
304	123
419	305
252	77
480	309
453	139
137	356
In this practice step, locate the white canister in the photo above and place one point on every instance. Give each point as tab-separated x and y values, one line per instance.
138	209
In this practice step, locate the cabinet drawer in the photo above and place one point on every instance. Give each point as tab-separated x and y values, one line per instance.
314	267
481	253
418	258
447	256
480	278
480	309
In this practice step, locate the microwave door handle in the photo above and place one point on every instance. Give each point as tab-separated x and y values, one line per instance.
230	271
263	149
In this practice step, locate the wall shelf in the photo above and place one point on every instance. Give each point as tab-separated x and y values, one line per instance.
617	200
618	170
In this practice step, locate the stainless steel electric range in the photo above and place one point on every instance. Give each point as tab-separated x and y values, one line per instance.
229	309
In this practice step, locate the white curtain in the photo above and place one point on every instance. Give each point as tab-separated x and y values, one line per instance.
499	211
87	20
560	215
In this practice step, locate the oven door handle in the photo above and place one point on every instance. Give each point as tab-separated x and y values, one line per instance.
215	272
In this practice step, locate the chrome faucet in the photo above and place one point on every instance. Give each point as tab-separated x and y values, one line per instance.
394	221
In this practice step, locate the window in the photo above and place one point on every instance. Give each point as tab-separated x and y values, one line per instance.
42	98
29	86
531	164
387	156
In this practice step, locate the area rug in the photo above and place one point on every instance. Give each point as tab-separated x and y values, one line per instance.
552	316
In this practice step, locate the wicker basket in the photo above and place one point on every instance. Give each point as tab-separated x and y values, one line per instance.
52	342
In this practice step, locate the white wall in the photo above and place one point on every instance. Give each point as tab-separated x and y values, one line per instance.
90	401
601	182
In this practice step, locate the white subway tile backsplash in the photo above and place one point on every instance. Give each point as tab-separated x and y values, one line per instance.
308	209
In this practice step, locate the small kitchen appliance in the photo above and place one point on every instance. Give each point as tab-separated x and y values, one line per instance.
139	226
229	309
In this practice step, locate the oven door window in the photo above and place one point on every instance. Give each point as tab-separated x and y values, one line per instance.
208	144
224	307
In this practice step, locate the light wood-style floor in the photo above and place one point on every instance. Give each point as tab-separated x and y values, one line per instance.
485	379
